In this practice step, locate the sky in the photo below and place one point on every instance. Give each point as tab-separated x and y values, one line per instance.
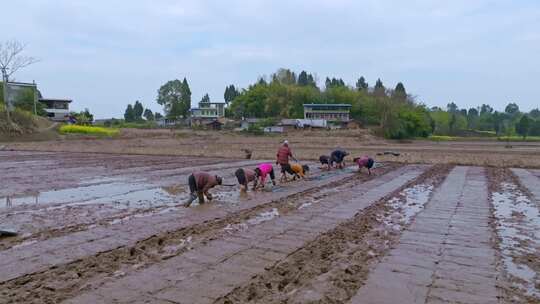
106	54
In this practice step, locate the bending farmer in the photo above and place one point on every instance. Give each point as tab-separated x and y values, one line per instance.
244	177
325	162
338	157
299	171
261	172
364	161
199	184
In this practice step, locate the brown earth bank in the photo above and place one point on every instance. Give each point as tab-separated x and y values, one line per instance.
308	145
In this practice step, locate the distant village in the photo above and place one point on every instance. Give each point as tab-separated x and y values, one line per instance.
211	115
208	115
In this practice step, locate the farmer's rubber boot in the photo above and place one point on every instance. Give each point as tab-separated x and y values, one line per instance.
192	197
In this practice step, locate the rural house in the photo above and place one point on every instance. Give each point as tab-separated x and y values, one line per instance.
57	109
330	112
206	113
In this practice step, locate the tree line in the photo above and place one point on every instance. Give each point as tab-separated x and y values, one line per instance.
394	112
136	112
511	121
283	95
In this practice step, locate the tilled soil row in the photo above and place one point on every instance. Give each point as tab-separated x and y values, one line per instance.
333	267
66	281
512	286
104	213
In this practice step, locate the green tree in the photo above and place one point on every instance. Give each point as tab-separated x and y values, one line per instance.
400	94
311	81
486	109
89	115
523	126
83	117
452	123
185	99
535	113
410	122
303	79
452	107
284	76
230	94
535	128
175	97
129	114
205	100
497	121
379	90
512	109
138	110
472	118
24	100
361	84
157	116
149	115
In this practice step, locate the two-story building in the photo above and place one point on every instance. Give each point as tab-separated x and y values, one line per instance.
329	112
57	109
210	110
207	113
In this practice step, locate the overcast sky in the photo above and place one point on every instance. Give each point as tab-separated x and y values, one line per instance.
106	54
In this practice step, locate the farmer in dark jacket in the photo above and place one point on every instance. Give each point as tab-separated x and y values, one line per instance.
325	162
199	184
338	157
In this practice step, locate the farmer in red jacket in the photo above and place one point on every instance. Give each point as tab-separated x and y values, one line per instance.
199	184
282	158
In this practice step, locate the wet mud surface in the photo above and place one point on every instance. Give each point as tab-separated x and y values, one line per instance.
110	228
74	277
106	191
331	268
517	224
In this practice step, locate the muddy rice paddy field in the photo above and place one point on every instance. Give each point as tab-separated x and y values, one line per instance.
111	228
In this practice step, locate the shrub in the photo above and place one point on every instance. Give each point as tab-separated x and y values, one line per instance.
255	130
88	130
408	123
442	138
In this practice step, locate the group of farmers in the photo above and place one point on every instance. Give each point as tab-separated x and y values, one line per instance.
201	182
